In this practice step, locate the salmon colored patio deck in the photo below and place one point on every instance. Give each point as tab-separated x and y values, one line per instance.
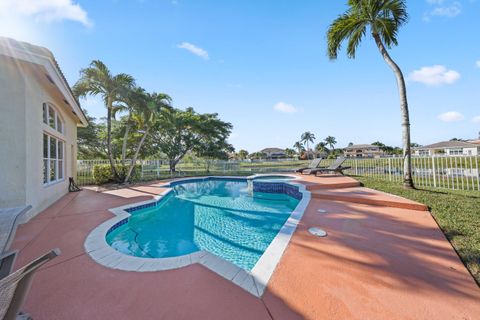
381	260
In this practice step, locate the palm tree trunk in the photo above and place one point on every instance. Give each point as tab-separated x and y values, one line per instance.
135	156
125	137
109	140
402	90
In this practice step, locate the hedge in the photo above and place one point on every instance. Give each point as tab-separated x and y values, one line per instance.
103	173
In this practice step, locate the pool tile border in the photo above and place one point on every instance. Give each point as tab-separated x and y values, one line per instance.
254	281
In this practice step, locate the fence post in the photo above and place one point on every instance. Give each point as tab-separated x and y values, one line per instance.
141	164
356	166
390	169
434	172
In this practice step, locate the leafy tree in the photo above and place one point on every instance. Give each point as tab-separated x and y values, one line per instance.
290	153
307	138
176	132
89	139
350	144
98	80
242	154
258	155
382	19
331	141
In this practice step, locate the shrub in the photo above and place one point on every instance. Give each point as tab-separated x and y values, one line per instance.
103	173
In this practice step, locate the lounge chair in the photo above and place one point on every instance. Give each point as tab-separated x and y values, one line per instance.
313	164
335	167
14	286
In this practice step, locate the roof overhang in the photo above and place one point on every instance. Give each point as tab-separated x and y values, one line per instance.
42	56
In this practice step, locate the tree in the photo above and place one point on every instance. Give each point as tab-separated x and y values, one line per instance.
299	147
176	132
131	103
321	147
149	107
243	154
331	141
88	142
383	20
290	153
98	80
307	138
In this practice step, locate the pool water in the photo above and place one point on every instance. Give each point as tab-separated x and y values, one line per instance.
220	216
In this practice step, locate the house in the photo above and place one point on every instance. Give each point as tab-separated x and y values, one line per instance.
449	148
38	127
274	153
363	151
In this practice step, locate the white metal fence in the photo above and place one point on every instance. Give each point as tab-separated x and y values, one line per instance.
452	172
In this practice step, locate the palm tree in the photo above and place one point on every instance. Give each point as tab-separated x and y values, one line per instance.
382	18
131	104
321	147
307	138
150	106
331	141
299	146
98	80
289	152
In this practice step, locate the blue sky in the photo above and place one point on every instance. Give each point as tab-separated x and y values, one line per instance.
262	65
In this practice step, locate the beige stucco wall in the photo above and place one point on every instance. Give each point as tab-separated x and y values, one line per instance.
23	184
12	136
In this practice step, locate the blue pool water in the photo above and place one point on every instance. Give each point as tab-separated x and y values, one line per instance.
220	216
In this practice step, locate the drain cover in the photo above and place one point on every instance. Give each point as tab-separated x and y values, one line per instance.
322	211
318	232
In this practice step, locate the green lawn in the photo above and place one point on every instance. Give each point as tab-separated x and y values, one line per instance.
457	212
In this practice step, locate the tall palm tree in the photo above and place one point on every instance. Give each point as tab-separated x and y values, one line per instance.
382	19
331	141
321	147
307	138
97	79
150	106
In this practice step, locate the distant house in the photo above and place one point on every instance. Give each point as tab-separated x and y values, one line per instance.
38	127
363	151
274	153
449	148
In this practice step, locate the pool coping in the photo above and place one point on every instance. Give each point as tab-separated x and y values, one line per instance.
254	281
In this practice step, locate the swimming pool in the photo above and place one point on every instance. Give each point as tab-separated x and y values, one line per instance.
222	216
237	227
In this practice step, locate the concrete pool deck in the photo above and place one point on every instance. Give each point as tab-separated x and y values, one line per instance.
377	262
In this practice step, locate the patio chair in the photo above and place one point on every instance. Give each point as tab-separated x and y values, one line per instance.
335	167
313	164
14	286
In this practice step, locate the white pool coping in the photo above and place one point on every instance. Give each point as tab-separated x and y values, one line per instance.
254	281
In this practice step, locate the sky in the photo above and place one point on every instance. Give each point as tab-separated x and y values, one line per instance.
263	66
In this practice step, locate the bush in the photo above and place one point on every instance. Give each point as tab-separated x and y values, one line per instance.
103	173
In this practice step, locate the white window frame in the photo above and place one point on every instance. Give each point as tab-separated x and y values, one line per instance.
49	160
58	135
56	116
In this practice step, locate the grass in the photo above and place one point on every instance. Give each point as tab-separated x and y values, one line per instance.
456	211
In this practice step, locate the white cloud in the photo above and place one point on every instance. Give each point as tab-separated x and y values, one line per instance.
476	119
194	49
451	116
443	8
284	107
45	10
434	76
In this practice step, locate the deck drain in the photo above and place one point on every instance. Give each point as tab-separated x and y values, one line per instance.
321	211
318	232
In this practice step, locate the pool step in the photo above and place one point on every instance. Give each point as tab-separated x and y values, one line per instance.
368	196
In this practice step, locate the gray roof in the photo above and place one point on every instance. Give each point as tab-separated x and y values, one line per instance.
449	144
272	150
362	146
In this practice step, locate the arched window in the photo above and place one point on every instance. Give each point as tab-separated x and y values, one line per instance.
52	118
53	146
